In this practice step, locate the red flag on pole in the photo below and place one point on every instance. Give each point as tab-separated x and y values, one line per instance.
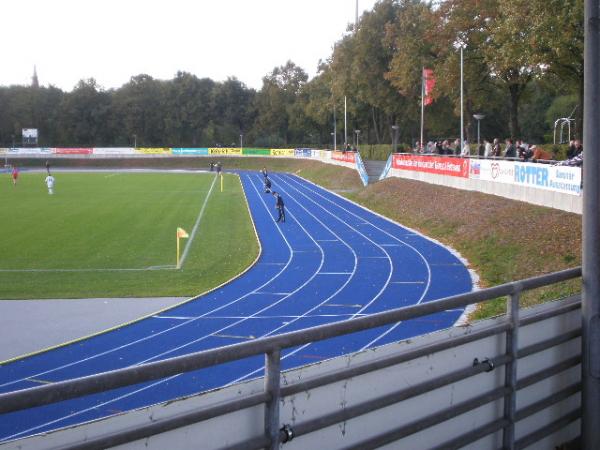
429	82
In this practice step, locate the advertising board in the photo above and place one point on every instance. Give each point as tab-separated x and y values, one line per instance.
113	151
73	151
256	151
440	165
541	176
190	151
283	152
225	151
349	157
153	150
303	153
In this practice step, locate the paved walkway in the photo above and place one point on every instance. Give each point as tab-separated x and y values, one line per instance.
32	325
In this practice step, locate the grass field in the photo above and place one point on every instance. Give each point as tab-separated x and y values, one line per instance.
113	234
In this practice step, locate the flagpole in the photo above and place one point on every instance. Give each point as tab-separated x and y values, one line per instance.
422	104
177	236
345	123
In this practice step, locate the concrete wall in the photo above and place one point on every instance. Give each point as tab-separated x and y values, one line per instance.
557	200
237	427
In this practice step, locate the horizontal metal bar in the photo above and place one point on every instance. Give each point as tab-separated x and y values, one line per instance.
571	303
549	343
172	423
549	429
552	399
394	397
256	443
472	436
432	420
393	360
549	372
92	384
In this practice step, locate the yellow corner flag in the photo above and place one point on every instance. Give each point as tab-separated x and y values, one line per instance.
181	233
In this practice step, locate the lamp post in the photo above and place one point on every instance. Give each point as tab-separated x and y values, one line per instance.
134	141
395	138
478	118
357	134
241	141
333	137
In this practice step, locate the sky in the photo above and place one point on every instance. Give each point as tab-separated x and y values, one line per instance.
112	40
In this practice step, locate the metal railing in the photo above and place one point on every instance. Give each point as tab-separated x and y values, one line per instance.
271	348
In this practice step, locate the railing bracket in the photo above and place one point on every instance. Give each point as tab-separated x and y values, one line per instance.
287	433
486	361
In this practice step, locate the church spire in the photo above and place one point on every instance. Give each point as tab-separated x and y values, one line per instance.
34	79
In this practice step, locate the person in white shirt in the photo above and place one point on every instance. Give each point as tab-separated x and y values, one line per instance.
50	184
488	148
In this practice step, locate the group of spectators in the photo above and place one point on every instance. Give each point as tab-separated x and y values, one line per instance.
494	149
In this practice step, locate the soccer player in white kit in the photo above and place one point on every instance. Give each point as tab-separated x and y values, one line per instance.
50	184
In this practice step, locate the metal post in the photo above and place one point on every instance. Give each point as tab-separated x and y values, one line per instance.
462	126
272	387
345	123
422	107
241	141
590	307
334	128
510	370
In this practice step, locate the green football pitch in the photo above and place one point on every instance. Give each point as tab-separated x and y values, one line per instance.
113	234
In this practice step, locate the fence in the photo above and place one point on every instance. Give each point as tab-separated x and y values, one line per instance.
273	432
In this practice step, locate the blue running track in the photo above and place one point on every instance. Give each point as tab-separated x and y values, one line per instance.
331	260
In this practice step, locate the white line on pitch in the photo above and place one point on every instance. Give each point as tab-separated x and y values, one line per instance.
195	229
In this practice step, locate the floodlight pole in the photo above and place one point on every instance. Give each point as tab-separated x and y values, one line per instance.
462	126
590	307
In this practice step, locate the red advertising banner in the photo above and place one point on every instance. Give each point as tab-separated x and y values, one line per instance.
441	165
73	151
348	157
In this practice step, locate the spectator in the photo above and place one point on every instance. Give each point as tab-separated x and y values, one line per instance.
539	153
571	149
466	149
575	161
496	148
525	153
511	150
456	147
487	148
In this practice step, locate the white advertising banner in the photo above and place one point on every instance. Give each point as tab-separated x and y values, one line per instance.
114	151
31	151
541	176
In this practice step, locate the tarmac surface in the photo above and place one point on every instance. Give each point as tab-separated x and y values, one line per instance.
32	325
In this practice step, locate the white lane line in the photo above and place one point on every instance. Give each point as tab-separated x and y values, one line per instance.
271	293
335	273
357	313
173	349
196	224
262	317
344	305
167	330
233	336
408	282
328	240
195	341
427	265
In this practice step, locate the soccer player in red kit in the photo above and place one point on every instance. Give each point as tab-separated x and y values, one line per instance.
15	175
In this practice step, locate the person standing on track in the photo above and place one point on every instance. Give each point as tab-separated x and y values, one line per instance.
50	184
264	173
15	175
280	207
267	186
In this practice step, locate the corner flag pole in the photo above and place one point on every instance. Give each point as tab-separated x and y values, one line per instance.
180	233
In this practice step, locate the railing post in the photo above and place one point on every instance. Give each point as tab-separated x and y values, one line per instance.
510	370
272	387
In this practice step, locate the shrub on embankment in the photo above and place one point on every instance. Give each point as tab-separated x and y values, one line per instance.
503	240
